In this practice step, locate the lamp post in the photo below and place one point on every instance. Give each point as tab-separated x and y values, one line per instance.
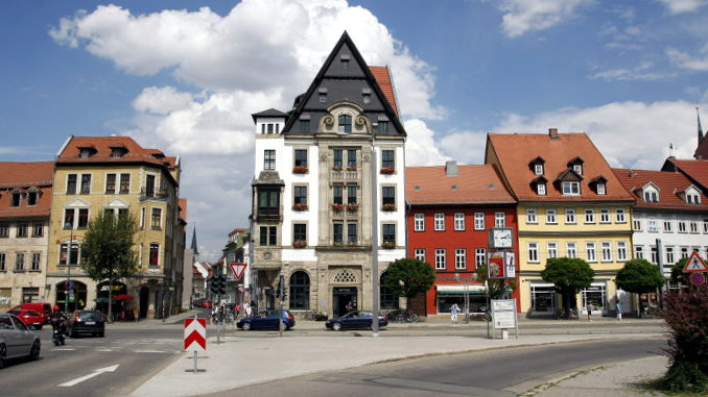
67	286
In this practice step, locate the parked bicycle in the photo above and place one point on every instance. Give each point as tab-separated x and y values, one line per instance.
569	314
403	316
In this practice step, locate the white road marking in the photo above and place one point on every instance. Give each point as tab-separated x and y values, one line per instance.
96	372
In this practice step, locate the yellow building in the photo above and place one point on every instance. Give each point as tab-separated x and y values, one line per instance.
570	204
116	175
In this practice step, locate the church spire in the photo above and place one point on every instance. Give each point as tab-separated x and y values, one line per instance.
194	241
700	129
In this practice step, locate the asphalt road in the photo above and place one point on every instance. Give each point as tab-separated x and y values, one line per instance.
90	366
503	373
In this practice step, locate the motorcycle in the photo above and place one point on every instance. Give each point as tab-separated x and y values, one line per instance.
58	334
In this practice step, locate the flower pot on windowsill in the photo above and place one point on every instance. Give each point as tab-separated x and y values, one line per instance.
299	244
388	245
388	170
337	207
352	245
300	207
352	207
389	207
300	170
351	168
337	169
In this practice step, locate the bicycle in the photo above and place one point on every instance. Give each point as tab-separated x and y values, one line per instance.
570	314
401	316
309	315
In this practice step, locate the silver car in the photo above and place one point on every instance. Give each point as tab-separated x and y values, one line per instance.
16	340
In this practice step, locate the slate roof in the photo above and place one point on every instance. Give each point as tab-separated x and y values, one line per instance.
515	152
473	184
669	184
24	176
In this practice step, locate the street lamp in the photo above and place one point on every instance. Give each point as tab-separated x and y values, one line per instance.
67	287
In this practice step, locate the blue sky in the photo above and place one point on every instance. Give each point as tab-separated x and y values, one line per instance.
185	76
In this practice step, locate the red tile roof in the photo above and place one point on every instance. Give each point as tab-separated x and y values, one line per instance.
670	185
515	152
104	147
183	209
23	176
694	169
473	184
383	77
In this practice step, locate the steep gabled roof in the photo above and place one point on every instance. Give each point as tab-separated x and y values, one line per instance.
695	170
25	177
102	150
514	152
670	185
473	184
348	85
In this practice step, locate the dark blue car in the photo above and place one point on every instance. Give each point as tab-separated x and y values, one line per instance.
355	319
269	319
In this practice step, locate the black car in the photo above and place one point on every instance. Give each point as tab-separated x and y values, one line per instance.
355	319
86	322
268	319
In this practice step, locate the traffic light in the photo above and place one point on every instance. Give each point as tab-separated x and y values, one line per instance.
217	284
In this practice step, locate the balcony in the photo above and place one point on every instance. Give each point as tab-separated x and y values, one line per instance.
160	195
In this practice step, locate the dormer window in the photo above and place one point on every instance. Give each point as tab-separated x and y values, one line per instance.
600	185
366	95
305	123
541	189
651	196
32	196
570	188
576	165
344	123
86	152
16	198
693	198
322	94
578	168
601	189
118	152
345	61
537	166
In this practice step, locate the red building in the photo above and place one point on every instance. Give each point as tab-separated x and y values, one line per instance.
451	210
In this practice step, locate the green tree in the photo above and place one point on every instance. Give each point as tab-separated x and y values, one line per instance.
496	287
638	276
568	275
106	251
408	277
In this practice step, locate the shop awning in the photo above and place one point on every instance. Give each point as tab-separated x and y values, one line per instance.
473	289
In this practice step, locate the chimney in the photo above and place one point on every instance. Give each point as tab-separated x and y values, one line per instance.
451	168
553	133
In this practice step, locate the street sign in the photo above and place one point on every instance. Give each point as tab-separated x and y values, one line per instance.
195	334
238	269
697	279
695	264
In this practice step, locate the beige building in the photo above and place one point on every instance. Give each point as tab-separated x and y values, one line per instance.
116	175
25	199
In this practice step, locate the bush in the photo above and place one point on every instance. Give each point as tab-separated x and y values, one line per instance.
686	315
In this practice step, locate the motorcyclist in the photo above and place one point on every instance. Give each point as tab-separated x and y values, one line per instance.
58	322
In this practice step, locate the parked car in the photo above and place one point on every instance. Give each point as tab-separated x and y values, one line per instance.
269	319
355	319
16	340
43	308
86	322
30	318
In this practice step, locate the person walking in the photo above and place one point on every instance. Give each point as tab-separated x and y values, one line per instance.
618	305
247	308
454	309
590	308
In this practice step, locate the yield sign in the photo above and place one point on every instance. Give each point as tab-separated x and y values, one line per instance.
695	264
195	334
238	269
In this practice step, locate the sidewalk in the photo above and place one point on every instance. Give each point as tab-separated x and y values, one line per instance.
273	358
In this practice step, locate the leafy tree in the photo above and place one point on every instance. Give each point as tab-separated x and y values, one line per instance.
497	287
686	315
569	275
408	277
638	276
106	250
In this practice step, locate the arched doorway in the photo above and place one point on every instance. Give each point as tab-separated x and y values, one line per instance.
76	293
299	291
118	307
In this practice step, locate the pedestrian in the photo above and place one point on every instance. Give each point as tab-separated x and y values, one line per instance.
238	310
248	309
618	305
349	306
454	309
590	307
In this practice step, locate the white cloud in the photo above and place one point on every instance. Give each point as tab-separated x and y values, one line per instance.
685	60
421	146
629	134
523	16
682	6
642	72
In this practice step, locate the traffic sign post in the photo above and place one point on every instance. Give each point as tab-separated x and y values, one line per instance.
697	279
695	264
195	338
238	269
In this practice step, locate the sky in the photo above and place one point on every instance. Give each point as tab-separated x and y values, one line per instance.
185	76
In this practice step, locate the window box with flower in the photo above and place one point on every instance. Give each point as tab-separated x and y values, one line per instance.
351	168
337	207
352	207
337	168
300	170
389	207
388	170
300	207
388	245
299	244
352	244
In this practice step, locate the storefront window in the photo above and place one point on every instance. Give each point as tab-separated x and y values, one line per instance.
543	299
